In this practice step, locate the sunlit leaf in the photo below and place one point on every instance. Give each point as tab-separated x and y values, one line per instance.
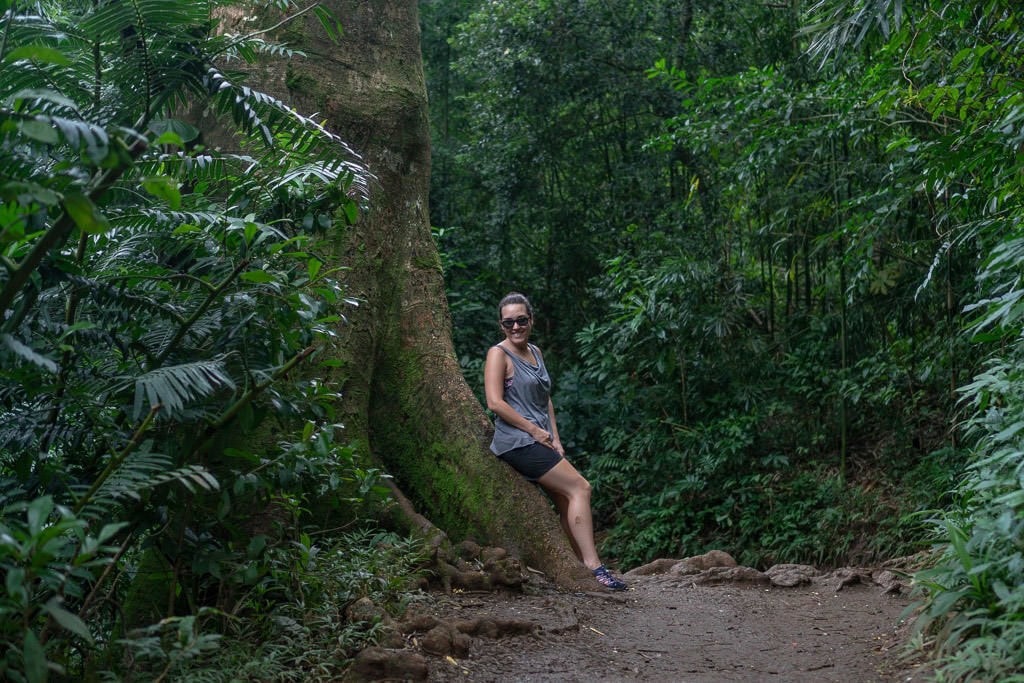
165	188
37	53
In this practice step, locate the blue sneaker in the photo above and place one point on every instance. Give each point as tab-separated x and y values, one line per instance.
605	578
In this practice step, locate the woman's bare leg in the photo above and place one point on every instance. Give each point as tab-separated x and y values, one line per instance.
562	504
563	480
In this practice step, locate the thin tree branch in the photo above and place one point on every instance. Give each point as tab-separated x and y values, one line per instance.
247	398
183	330
87	603
116	461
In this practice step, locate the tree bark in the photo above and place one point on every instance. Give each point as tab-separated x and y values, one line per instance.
404	397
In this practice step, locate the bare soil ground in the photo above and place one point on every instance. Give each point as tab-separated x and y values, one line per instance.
705	627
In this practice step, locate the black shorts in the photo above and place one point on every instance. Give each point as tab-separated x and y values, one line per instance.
532	461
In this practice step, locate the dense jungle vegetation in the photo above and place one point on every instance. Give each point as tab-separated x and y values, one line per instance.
167	307
774	250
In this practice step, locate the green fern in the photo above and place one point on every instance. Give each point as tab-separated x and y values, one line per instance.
144	470
171	388
152	291
26	353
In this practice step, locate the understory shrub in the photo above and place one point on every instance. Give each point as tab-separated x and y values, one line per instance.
163	439
292	625
973	598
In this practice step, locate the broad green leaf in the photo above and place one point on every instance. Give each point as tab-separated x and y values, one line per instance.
170	138
41	131
71	622
258	276
35	658
37	53
256	545
38	513
85	214
28	192
183	132
331	25
351	212
77	327
165	188
109	530
14	582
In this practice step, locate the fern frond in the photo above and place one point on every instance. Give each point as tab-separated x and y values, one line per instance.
137	217
78	135
322	173
189	168
25	353
247	48
142	471
116	304
62	73
20	423
256	112
175	386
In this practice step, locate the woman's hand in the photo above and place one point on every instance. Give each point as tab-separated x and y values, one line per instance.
550	440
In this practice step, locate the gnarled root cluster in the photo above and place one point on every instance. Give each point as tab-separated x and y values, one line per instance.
464	567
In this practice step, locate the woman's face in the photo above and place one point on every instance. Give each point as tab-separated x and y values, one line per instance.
516	323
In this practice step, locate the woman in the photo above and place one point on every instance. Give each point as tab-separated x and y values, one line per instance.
517	387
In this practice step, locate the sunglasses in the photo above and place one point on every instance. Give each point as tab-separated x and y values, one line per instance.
509	323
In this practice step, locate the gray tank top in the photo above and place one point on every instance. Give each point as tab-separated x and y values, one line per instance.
527	391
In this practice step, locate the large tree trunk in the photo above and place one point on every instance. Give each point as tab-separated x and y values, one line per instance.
403	392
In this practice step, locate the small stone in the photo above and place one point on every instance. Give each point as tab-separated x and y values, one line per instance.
787	575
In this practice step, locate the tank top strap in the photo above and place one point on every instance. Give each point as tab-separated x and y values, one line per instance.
516	359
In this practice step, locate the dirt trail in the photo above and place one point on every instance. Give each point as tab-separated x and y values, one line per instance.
669	627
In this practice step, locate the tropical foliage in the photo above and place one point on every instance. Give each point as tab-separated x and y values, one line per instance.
774	251
775	254
747	316
162	288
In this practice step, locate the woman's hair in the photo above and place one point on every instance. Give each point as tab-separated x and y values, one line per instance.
515	298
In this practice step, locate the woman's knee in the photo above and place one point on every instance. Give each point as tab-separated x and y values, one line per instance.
581	487
565	480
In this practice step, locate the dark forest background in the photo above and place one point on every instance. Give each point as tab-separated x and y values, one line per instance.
749	273
774	250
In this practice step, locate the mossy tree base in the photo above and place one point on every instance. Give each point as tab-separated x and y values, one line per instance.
404	393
